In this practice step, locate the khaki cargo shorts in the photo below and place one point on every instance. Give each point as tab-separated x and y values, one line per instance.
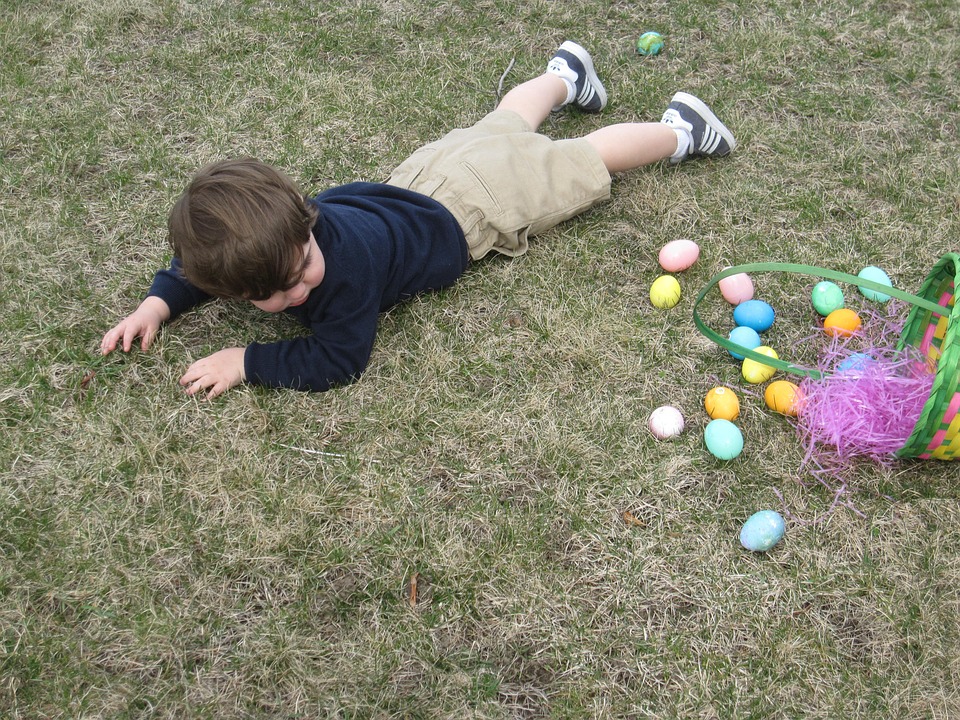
504	183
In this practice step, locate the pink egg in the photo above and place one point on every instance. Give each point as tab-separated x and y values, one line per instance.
737	288
678	255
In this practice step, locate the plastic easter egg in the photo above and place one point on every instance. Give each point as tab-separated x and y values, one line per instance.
841	323
872	272
665	292
665	422
783	396
754	371
736	288
762	531
723	439
678	255
827	297
854	363
721	403
754	314
650	43
744	337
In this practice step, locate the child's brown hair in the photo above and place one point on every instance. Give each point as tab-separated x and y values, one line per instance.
239	230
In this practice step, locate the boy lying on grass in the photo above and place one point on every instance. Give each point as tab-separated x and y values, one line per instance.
243	231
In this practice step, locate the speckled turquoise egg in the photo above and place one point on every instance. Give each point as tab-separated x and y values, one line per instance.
827	297
723	439
650	43
744	337
754	314
762	531
872	272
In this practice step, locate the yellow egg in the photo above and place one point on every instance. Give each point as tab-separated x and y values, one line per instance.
756	372
665	292
783	396
721	403
843	323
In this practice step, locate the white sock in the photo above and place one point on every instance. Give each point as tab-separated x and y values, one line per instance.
684	140
558	66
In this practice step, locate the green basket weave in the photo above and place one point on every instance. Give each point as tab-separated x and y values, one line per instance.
932	327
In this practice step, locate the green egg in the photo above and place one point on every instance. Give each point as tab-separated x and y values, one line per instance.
827	297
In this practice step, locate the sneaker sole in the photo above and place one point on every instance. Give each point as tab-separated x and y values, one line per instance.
703	111
584	57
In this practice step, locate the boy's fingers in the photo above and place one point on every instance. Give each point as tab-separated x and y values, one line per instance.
111	339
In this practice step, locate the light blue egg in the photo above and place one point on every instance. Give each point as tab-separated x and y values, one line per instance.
762	531
723	439
754	314
855	362
872	272
745	337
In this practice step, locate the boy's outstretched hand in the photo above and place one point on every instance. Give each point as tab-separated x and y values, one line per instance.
215	373
143	323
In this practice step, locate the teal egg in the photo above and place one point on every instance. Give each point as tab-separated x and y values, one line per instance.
754	314
762	531
723	439
827	297
872	272
745	337
650	43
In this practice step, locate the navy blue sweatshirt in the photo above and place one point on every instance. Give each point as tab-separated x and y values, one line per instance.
381	245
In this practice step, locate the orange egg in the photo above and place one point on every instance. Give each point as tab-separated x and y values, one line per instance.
842	323
783	396
721	403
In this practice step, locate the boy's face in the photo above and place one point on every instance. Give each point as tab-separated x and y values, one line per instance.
311	275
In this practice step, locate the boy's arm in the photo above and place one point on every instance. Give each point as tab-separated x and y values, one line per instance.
306	363
335	354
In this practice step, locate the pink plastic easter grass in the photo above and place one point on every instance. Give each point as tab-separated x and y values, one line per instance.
870	408
865	406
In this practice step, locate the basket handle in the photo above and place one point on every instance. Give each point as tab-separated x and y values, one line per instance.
802	270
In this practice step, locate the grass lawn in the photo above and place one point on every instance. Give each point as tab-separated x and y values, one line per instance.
482	526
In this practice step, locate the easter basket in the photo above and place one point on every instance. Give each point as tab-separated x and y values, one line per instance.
932	327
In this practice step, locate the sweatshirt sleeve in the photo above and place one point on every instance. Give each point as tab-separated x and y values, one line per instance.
336	353
175	290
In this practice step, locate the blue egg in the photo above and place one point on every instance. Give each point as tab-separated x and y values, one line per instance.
855	362
762	531
872	272
754	314
744	337
723	439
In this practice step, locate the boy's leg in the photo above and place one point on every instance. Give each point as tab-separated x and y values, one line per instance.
688	129
534	99
632	145
569	79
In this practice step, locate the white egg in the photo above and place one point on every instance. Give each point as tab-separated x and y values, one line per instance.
665	422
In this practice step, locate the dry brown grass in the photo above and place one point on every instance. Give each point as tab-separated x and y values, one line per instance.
253	557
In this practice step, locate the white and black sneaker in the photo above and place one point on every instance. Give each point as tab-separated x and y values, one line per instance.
574	65
707	136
